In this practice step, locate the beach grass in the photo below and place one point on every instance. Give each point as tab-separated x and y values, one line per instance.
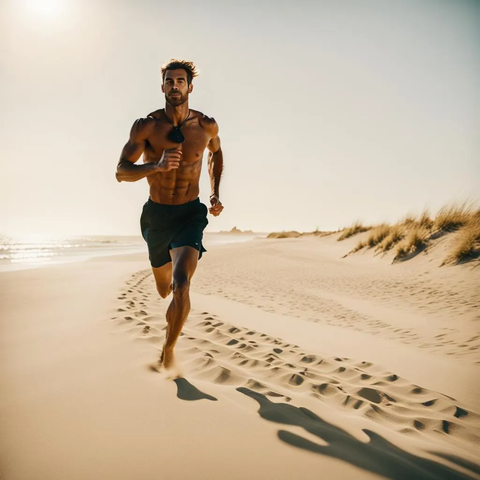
377	234
413	233
467	241
415	240
451	217
289	234
395	234
357	227
295	234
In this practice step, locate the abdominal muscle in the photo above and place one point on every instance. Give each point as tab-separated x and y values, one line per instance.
175	187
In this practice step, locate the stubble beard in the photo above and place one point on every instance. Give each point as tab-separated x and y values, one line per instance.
176	101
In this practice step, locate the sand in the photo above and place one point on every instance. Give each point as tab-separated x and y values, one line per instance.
294	363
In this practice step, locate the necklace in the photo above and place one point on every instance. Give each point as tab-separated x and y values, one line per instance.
176	134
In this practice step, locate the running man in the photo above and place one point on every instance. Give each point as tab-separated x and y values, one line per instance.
173	140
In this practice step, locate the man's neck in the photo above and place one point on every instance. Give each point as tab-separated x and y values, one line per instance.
177	115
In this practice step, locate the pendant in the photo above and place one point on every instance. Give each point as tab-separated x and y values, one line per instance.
176	135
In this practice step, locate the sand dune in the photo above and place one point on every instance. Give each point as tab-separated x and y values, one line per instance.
416	302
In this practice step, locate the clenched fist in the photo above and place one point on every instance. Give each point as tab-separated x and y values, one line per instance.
216	207
170	160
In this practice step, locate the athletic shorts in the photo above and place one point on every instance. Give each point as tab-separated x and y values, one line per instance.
170	226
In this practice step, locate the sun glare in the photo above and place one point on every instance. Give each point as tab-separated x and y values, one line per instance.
45	9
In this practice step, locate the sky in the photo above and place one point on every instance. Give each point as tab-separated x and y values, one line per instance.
330	111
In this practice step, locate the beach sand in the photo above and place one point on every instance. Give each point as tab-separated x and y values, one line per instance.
294	363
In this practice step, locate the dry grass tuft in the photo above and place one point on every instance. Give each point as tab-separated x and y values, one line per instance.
357	227
413	234
409	220
452	217
397	233
318	233
414	241
378	234
291	234
358	246
467	243
425	220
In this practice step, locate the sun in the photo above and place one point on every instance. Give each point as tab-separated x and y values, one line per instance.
46	9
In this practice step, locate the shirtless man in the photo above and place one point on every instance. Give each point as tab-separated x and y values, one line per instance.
172	141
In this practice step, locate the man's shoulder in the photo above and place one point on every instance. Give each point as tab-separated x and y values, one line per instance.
143	126
155	115
208	123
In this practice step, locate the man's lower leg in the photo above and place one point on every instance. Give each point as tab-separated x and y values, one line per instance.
177	313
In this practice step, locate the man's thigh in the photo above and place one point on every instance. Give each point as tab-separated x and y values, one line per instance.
184	261
163	277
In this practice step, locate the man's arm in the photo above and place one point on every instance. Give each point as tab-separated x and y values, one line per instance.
127	171
215	169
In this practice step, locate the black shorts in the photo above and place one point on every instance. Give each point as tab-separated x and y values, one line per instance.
170	226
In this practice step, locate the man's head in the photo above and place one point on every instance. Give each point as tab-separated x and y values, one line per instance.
177	78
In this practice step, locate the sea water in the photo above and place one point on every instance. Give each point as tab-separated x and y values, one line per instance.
39	251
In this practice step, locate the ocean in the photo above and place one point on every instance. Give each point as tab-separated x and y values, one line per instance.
34	252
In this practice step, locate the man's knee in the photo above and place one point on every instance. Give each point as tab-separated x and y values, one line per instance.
163	293
164	290
181	286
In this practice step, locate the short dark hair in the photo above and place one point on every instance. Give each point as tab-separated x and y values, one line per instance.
175	64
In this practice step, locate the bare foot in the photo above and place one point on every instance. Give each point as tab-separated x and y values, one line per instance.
156	367
166	358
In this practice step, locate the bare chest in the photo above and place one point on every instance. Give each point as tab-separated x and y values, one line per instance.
196	140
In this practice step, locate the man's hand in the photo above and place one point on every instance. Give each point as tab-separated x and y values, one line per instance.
170	160
216	207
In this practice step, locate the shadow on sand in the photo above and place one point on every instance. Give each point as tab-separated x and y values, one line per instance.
187	391
378	456
409	256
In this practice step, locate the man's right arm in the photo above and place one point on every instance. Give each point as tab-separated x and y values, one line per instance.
127	171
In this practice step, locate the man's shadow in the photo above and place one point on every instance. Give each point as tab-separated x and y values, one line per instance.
378	456
187	391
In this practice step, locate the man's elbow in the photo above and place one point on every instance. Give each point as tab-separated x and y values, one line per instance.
118	174
215	155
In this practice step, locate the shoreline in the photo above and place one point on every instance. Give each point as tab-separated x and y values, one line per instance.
61	258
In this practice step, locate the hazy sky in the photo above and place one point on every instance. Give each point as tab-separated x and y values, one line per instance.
329	111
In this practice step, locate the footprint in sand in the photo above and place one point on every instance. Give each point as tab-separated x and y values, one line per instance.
232	356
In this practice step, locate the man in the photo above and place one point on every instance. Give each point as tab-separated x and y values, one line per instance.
172	141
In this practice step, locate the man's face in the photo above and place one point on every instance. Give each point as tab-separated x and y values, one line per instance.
175	87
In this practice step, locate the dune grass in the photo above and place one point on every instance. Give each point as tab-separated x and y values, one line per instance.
395	234
377	234
451	217
425	221
414	233
357	227
290	234
295	234
408	220
415	240
358	246
467	242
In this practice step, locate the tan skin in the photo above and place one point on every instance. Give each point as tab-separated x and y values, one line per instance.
173	173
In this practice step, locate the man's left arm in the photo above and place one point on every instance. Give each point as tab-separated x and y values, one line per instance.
215	169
